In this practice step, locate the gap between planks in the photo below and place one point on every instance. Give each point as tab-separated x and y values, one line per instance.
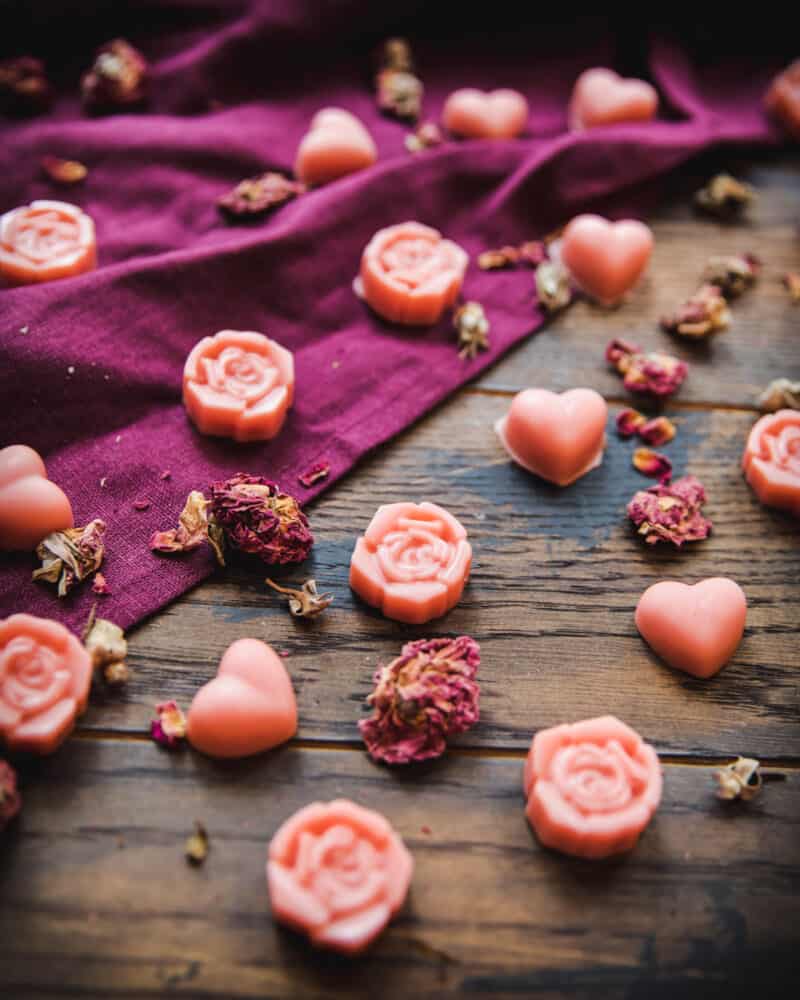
480	390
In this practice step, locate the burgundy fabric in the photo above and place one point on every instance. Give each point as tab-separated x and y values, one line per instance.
90	372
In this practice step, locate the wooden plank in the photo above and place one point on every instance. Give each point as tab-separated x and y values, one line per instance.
97	899
762	342
557	577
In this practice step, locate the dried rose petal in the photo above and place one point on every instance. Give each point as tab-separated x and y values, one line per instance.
792	282
427	694
100	585
255	196
192	531
63	171
656	373
704	313
629	421
424	136
732	275
493	260
68	557
166	474
256	517
657	431
780	394
473	329
170	727
619	352
24	87
724	196
317	472
671	513
306	602
10	799
652	463
399	93
196	848
740	780
117	80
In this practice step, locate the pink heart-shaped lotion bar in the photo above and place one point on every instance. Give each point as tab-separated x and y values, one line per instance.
606	259
693	628
31	507
558	437
336	144
248	707
478	114
603	97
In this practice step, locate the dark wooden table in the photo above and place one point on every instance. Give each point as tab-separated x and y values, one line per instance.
96	899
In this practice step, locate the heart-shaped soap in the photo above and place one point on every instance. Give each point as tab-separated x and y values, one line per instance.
606	259
603	97
694	628
559	437
248	707
31	507
336	144
478	114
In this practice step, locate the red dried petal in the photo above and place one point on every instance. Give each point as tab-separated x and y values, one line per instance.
618	353
317	472
141	504
704	313
629	421
657	431
169	728
652	463
63	171
100	585
671	513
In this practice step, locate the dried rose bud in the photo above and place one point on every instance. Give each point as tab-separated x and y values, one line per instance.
629	421
395	53
399	93
24	87
100	585
473	329
780	394
704	313
63	171
196	848
420	699
656	373
170	727
192	531
424	136
724	196
10	799
117	80
256	517
792	282
619	353
671	513
657	431
304	603
732	275
652	463
256	196
740	780
553	288
493	260
317	472
68	557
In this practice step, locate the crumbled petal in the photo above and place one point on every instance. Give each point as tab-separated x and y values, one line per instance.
192	530
106	644
169	729
780	394
100	585
424	696
533	252
792	282
395	53
399	93
255	196
671	512
10	799
493	260
629	421
425	136
68	557
24	87
553	287
657	431
652	463
118	79
63	171
724	195
166	474
619	353
473	329
306	602
317	472
196	849
732	275
656	373
141	504
254	516
704	313
739	780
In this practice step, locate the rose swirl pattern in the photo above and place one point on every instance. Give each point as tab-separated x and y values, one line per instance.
44	241
771	460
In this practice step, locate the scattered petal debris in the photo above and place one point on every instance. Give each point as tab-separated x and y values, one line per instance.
196	848
473	329
398	91
117	80
741	779
792	282
425	136
192	531
657	431
733	274
425	695
704	313
106	644
141	504
724	196
255	196
10	799
70	556
531	253
780	394
166	474
315	474
553	286
671	512
629	421
652	463
24	87
306	602
169	728
63	171
655	373
100	585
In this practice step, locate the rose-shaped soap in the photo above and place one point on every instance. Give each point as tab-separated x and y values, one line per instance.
412	562
782	100
44	241
558	437
410	274
45	674
339	873
591	787
238	385
476	114
336	144
602	97
31	507
771	460
606	259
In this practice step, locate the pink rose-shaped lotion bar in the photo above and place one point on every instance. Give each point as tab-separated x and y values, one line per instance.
476	114
771	460
238	385
410	274
45	674
31	507
591	787
602	97
412	562
44	241
339	873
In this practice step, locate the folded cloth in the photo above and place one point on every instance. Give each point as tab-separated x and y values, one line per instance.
90	367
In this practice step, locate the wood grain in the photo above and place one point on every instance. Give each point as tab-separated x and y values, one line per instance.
98	901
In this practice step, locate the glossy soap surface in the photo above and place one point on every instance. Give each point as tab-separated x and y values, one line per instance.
771	460
602	97
478	114
31	507
606	259
44	241
336	144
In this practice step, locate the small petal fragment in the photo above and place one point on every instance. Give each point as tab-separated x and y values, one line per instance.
169	728
657	431
70	556
740	780
704	313
629	421
652	463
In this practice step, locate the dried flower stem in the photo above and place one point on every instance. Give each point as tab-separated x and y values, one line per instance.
304	603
